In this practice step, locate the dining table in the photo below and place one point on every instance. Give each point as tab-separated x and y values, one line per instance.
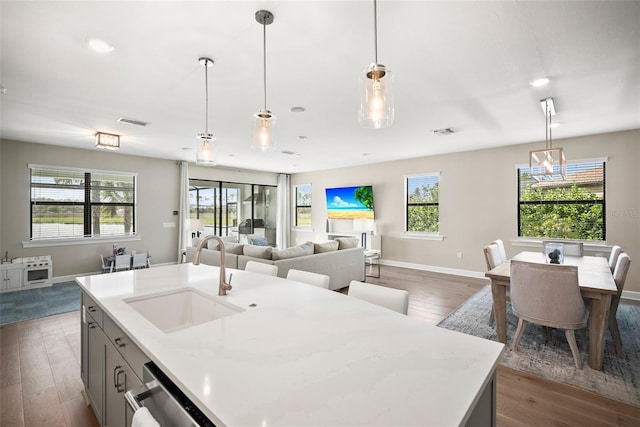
596	284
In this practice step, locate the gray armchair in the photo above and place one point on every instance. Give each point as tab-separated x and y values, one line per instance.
548	295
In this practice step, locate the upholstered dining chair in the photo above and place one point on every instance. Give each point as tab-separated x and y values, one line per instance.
106	267
261	268
309	277
501	251
140	260
619	276
613	256
493	257
122	262
393	299
548	295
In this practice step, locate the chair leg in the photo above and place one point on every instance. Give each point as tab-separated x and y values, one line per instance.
547	334
571	338
519	330
615	334
492	316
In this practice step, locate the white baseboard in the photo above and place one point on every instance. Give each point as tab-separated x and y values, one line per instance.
435	269
628	295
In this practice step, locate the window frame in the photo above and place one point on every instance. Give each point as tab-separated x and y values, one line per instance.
87	204
602	202
420	234
296	207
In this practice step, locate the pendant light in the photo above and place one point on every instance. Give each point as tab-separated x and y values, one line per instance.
264	121
376	94
206	154
548	164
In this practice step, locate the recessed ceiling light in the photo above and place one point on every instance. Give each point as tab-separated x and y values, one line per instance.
297	109
186	148
443	132
540	82
302	137
100	46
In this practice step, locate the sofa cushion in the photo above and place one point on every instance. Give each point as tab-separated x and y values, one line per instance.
296	251
213	245
347	242
259	241
233	248
196	241
255	251
329	246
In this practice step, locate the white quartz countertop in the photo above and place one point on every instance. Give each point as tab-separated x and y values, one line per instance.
303	355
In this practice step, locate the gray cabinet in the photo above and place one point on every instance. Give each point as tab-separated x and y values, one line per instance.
110	365
119	378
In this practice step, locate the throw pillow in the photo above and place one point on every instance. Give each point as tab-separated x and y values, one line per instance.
263	252
259	241
329	246
294	252
195	242
347	242
213	245
233	248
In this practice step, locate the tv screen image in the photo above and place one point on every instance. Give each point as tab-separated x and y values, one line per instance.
350	202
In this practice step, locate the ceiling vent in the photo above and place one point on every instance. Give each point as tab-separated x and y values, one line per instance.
442	132
132	121
291	153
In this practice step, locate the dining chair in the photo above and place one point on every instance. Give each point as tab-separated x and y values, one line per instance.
493	258
122	262
613	256
568	248
501	250
308	277
261	268
393	299
106	266
619	276
548	295
140	260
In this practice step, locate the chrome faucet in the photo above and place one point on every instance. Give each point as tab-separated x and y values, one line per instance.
223	286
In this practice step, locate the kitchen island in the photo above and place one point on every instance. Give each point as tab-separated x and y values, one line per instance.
294	354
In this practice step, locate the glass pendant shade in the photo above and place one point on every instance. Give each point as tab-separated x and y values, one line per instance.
206	154
376	97
548	164
263	126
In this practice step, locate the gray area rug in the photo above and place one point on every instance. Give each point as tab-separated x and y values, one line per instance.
619	380
30	304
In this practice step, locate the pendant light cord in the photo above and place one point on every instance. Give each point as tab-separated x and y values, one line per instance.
375	30
206	97
264	62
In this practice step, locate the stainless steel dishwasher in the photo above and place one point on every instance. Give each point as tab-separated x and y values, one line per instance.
165	401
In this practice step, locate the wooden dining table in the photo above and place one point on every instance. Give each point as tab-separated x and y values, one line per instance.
595	281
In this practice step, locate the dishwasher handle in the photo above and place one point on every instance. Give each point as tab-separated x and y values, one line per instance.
136	396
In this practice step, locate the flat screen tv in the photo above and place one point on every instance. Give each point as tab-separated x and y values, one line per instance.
350	202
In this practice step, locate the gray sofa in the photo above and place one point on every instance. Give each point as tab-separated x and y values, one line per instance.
342	265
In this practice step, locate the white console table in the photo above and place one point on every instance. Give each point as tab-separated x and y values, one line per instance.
12	275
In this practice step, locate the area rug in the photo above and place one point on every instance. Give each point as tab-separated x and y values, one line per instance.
619	380
34	303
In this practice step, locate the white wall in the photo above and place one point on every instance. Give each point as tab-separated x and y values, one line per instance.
478	201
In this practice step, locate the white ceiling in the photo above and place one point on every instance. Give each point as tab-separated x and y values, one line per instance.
464	65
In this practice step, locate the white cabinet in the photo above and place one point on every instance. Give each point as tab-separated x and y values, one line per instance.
12	276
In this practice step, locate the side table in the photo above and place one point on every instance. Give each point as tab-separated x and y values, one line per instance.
372	263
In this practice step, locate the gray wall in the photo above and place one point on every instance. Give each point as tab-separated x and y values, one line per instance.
158	196
478	201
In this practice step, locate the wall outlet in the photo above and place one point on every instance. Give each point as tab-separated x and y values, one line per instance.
459	255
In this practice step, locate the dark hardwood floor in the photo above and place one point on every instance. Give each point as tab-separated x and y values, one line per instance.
40	368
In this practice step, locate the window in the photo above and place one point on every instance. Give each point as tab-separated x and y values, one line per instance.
573	208
303	205
421	200
73	203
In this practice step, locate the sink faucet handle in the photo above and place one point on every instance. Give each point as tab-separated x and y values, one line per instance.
229	282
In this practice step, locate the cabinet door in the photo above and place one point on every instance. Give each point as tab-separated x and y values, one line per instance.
15	277
95	367
119	378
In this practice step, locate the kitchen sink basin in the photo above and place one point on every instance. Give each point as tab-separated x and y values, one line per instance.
180	309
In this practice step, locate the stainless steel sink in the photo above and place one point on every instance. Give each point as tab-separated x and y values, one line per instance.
180	309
